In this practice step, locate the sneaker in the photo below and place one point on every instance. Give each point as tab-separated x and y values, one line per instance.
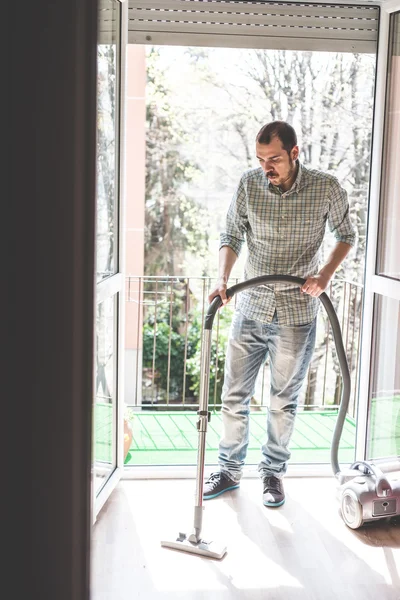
217	484
273	494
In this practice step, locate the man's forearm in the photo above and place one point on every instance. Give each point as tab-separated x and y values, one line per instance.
316	284
335	259
227	258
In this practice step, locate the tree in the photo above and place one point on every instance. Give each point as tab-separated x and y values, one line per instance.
171	337
175	224
172	348
328	97
329	100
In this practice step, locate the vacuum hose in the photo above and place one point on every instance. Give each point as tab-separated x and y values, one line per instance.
337	336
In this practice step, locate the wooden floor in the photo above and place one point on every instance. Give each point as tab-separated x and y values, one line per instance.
301	551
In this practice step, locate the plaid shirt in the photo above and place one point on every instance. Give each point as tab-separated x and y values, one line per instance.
284	232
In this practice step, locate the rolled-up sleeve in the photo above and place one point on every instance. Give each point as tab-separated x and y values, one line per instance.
236	221
339	214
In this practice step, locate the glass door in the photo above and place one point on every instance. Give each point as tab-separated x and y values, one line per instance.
383	439
107	414
382	416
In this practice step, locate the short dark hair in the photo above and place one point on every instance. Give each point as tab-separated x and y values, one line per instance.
280	129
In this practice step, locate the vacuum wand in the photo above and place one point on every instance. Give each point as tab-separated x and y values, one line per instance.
204	417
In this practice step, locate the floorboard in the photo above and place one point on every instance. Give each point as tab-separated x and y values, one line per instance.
301	551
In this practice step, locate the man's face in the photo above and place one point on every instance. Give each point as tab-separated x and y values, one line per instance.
278	166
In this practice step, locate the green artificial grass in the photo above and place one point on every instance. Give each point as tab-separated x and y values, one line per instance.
171	438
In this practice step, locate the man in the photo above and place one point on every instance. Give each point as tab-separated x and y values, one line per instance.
280	209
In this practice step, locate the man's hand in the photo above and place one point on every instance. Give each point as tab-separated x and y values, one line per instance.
220	290
315	285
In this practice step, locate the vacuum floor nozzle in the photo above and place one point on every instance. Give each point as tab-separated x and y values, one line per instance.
203	547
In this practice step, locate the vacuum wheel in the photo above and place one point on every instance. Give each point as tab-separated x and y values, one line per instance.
351	509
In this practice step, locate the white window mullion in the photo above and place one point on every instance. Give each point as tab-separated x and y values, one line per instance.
372	282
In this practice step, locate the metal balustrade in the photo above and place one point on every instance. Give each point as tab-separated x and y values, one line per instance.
167	314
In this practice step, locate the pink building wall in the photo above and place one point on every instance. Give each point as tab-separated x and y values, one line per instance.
134	210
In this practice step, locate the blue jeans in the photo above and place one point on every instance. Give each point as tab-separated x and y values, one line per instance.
290	349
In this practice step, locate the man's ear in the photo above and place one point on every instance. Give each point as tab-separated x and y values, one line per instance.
295	152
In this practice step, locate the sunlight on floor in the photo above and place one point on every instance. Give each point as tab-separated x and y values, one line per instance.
301	551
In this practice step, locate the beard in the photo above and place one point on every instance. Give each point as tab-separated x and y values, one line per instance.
291	173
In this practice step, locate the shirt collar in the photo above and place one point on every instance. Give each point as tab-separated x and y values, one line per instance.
296	185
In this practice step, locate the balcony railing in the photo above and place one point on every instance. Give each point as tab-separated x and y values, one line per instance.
167	315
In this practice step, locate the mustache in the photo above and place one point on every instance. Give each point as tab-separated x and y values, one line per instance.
271	173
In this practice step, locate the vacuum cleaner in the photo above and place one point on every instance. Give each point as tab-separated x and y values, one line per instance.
366	492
